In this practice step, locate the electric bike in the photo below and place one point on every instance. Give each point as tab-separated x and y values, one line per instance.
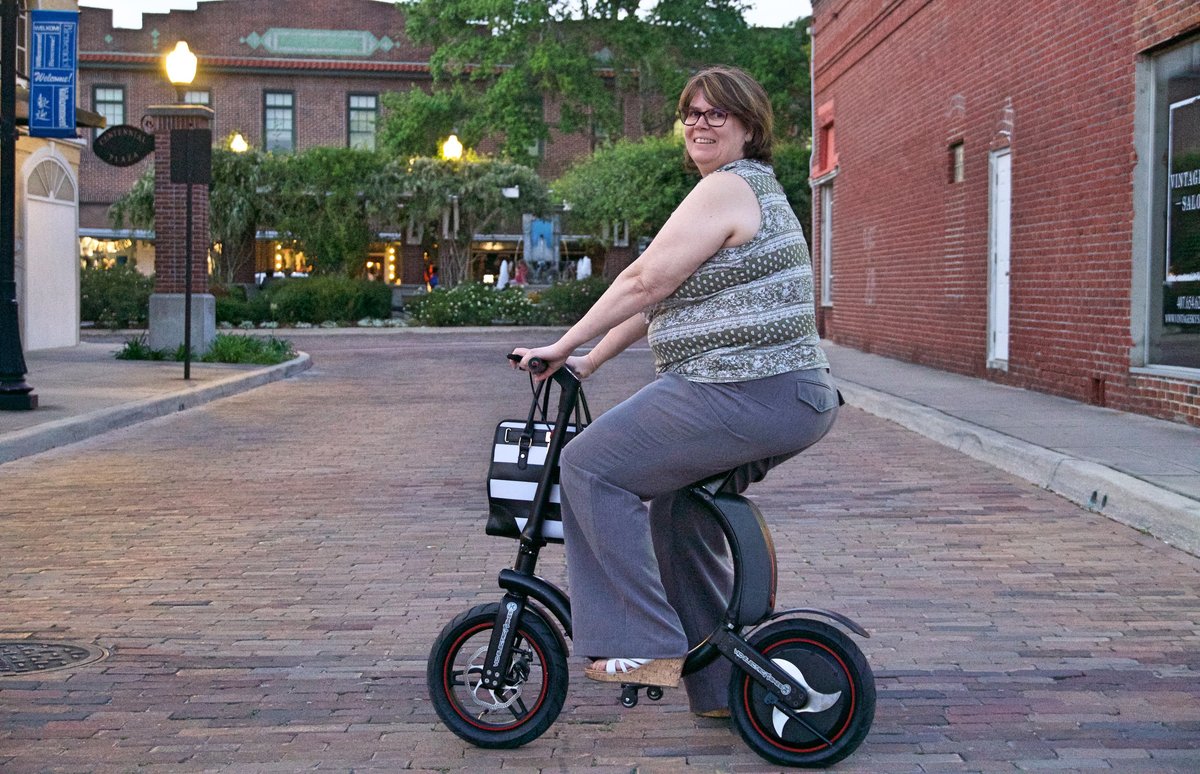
801	692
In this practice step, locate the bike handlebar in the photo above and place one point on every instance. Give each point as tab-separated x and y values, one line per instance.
536	366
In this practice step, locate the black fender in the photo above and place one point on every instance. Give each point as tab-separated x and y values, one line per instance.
551	596
844	620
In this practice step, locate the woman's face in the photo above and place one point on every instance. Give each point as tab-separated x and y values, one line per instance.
712	147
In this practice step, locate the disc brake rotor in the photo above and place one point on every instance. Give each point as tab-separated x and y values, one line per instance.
487	698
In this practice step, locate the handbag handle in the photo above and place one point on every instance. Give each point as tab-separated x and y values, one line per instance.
541	395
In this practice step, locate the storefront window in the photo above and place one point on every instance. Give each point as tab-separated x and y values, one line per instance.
1173	313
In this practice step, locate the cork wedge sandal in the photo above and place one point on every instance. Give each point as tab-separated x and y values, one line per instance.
664	672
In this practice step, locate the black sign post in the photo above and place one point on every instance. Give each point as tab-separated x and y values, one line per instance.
15	394
191	163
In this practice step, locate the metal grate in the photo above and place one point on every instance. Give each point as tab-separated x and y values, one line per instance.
19	657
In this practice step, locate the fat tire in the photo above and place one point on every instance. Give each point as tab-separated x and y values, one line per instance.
544	650
830	661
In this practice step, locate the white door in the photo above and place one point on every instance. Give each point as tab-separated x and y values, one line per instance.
51	303
999	233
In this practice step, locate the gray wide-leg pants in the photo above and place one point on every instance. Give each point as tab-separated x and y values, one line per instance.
648	582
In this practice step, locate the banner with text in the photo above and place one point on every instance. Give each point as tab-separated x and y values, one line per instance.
53	41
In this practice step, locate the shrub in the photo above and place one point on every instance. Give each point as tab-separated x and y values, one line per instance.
471	303
230	348
235	307
317	299
138	349
226	348
563	303
116	297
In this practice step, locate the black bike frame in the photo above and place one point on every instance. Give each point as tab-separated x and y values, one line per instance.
522	582
751	603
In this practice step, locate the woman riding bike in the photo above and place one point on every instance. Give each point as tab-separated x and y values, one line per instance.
724	294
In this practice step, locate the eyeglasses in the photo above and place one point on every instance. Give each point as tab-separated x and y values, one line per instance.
714	117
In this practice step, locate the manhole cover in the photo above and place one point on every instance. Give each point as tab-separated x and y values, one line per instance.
18	657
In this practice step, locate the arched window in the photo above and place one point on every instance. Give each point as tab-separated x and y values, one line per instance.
51	181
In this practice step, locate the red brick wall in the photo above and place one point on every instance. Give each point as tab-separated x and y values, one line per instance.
171	213
1158	22
1053	80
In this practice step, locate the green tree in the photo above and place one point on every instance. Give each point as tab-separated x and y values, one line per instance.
329	200
235	210
641	182
779	60
791	168
136	208
508	55
415	121
319	199
458	199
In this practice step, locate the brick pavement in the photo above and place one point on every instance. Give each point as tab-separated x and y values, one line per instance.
269	572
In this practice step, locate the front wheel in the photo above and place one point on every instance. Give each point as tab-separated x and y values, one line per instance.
532	696
841	702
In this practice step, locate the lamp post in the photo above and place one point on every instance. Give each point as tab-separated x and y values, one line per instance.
183	158
15	393
181	71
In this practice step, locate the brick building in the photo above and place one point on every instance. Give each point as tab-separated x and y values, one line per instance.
287	76
996	188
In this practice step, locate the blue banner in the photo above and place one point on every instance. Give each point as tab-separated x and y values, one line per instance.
53	39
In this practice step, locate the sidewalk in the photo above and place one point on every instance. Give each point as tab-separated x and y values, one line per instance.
1140	471
84	391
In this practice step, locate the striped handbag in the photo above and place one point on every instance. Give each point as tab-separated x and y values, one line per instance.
518	460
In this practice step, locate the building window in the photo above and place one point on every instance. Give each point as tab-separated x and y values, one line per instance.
197	98
1171	305
957	161
109	101
201	97
826	150
362	113
827	244
279	121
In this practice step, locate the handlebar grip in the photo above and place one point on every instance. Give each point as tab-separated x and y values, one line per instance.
535	365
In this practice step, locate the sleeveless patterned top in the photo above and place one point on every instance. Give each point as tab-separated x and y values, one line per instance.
747	312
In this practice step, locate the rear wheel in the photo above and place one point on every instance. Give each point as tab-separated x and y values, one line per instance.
841	703
533	693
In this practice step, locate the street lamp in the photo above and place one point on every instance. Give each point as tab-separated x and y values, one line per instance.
186	168
452	148
238	143
15	394
181	68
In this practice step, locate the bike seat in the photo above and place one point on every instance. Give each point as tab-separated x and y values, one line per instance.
715	483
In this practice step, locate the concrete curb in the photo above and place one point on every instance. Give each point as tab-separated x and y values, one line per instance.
1170	517
40	438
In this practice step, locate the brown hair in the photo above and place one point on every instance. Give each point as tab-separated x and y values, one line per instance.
735	90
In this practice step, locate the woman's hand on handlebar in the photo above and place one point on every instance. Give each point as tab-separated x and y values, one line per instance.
582	365
552	359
